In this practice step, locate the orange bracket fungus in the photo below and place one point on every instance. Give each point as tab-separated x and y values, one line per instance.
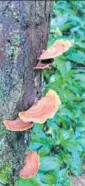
41	65
45	108
17	125
31	166
58	48
47	56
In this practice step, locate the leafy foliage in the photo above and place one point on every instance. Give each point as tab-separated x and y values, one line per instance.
60	141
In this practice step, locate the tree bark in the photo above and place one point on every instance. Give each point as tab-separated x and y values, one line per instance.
24	28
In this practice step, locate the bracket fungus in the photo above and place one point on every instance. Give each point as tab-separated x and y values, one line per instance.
45	108
58	48
17	125
32	162
42	65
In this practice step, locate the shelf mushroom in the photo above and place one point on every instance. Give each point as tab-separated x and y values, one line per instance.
57	49
32	162
45	108
42	65
17	125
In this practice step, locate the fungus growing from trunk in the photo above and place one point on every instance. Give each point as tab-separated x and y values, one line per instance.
41	65
45	108
58	48
17	125
32	162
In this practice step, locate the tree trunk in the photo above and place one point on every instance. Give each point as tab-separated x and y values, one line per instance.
24	28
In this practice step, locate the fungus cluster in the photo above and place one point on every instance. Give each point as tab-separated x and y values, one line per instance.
57	49
45	108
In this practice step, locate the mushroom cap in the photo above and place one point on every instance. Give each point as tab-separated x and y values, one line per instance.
42	65
32	162
58	48
45	108
17	125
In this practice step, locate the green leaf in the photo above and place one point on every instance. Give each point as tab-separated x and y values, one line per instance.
80	77
34	181
48	178
63	66
76	56
49	163
76	164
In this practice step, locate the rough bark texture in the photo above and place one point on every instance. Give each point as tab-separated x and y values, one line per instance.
24	27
